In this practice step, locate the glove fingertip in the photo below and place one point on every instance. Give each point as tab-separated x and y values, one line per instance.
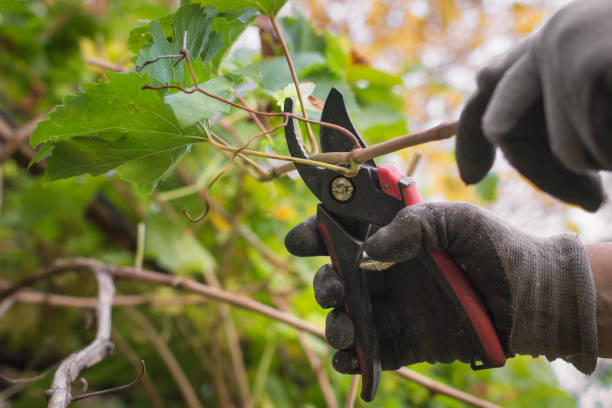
304	239
339	330
346	361
474	153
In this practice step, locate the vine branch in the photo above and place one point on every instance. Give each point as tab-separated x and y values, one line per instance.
187	285
59	395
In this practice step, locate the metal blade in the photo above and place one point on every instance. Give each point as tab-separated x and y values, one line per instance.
334	111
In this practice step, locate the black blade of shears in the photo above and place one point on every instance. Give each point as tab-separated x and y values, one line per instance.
332	140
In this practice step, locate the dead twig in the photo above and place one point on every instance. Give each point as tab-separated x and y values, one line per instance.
114	389
186	285
59	395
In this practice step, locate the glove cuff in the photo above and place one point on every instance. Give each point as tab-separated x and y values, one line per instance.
554	303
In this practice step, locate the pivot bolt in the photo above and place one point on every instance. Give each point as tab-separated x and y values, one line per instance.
342	189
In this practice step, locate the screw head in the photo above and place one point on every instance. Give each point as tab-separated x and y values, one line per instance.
342	189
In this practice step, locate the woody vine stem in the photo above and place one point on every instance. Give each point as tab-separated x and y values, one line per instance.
342	162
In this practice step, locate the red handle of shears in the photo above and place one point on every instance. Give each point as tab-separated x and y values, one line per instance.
389	177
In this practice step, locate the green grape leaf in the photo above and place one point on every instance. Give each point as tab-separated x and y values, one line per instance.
273	74
114	125
191	108
202	41
265	7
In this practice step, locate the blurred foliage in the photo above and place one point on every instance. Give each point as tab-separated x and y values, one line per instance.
112	129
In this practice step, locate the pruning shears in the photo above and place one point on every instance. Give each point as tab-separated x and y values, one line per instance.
352	208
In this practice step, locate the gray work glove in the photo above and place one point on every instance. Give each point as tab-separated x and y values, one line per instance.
548	105
539	291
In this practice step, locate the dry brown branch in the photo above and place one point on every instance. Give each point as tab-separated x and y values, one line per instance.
106	65
162	348
131	274
351	395
59	395
233	343
255	118
314	147
313	358
440	132
414	163
218	383
439	388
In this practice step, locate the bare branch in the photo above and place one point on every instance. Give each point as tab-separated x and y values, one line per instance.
132	274
69	370
314	147
313	358
414	163
351	395
29	379
233	342
440	132
439	388
107	65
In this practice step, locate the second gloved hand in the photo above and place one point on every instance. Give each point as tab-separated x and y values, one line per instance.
547	105
539	291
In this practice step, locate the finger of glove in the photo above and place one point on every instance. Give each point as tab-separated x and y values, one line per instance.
474	153
339	330
574	58
601	120
516	122
346	361
328	287
527	148
304	239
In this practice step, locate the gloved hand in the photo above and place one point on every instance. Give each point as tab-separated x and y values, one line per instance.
539	291
548	105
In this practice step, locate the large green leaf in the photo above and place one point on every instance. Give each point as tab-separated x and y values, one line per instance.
273	73
114	125
202	41
191	108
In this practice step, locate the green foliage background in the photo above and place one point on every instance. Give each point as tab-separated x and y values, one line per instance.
111	141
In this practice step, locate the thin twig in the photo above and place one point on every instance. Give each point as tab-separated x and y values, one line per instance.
314	147
186	285
440	132
414	162
239	228
351	395
253	116
233	342
29	379
194	342
439	388
140	245
130	354
114	389
162	348
313	359
15	139
226	168
59	395
107	65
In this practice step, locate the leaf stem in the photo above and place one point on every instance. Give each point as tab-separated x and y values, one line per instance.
314	147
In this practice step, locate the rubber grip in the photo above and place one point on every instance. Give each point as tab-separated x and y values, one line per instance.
389	178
